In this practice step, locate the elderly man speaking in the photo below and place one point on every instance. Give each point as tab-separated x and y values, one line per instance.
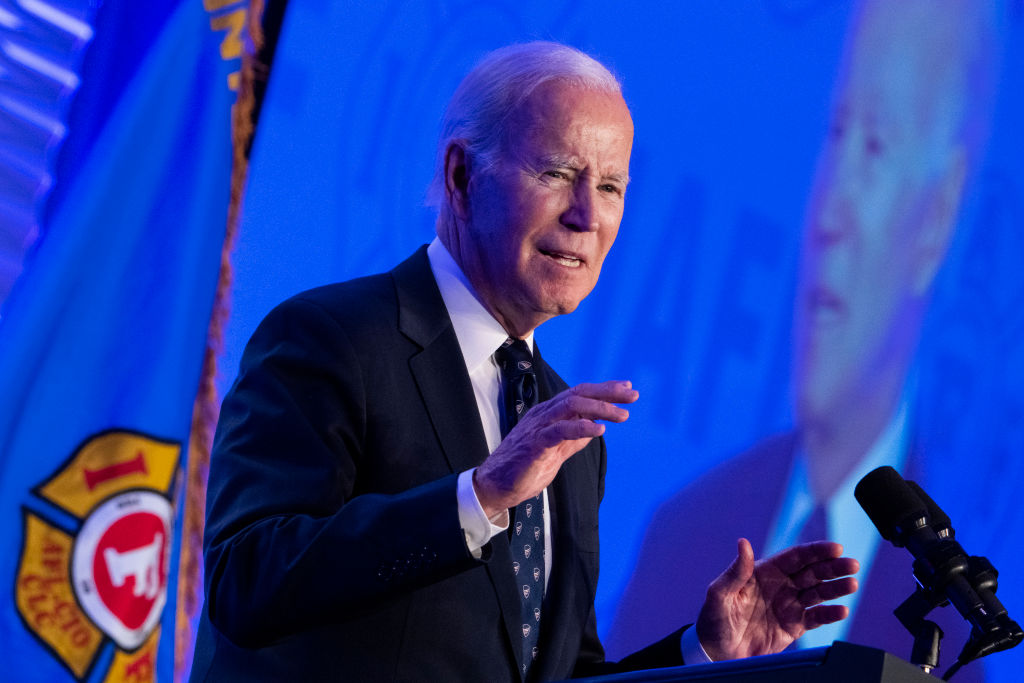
402	489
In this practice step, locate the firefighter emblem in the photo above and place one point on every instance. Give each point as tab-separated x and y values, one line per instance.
100	581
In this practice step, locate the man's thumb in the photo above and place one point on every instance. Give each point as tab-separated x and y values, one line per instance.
742	568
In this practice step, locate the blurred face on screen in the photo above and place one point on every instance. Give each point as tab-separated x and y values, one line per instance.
880	216
539	224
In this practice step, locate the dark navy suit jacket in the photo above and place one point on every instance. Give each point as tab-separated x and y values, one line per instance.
333	549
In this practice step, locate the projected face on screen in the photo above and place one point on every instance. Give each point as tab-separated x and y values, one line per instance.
880	216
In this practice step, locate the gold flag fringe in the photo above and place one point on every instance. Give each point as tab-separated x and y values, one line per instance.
206	408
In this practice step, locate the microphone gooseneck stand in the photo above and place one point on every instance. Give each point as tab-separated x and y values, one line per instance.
907	517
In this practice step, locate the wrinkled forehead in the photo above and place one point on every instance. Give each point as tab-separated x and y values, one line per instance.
559	113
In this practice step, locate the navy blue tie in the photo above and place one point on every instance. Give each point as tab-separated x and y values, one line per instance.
519	385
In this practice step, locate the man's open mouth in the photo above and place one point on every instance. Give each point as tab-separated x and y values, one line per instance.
567	260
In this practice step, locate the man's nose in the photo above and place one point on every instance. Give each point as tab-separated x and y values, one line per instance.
581	215
831	212
827	220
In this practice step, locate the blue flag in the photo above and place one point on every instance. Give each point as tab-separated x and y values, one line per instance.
101	349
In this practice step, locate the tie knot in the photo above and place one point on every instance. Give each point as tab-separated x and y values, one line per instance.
514	357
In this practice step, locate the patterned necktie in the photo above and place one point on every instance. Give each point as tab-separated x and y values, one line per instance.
527	539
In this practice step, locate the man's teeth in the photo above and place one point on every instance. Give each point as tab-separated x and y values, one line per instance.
568	261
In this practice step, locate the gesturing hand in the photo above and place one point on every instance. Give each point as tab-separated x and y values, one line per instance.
760	608
530	455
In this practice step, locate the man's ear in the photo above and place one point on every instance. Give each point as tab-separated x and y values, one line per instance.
941	221
456	178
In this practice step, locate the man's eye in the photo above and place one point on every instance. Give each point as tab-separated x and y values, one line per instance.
609	187
561	175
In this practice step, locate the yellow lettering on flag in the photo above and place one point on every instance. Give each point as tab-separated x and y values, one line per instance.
232	22
45	598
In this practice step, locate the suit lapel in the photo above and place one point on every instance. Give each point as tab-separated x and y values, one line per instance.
506	587
439	371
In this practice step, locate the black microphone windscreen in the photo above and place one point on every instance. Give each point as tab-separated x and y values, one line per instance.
939	519
888	501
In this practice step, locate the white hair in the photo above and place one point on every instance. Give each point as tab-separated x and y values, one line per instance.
477	114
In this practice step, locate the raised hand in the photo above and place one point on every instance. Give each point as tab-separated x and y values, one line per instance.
530	455
760	608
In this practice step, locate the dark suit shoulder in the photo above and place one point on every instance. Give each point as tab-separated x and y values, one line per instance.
373	307
333	328
350	293
363	303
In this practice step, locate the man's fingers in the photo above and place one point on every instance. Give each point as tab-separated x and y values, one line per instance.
829	590
532	452
794	560
586	401
613	391
571	430
576	406
824	614
825	571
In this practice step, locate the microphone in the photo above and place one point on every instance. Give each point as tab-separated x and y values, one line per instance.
940	521
895	510
907	517
983	578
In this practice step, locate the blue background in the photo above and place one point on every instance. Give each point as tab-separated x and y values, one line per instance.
731	106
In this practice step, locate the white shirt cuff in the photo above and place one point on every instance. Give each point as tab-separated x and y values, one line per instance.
474	522
693	651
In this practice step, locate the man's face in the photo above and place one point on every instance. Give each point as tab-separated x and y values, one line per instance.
869	247
541	221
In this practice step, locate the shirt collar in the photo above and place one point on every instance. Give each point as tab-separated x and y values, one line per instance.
479	334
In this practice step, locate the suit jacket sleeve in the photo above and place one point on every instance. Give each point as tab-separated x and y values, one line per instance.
290	543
